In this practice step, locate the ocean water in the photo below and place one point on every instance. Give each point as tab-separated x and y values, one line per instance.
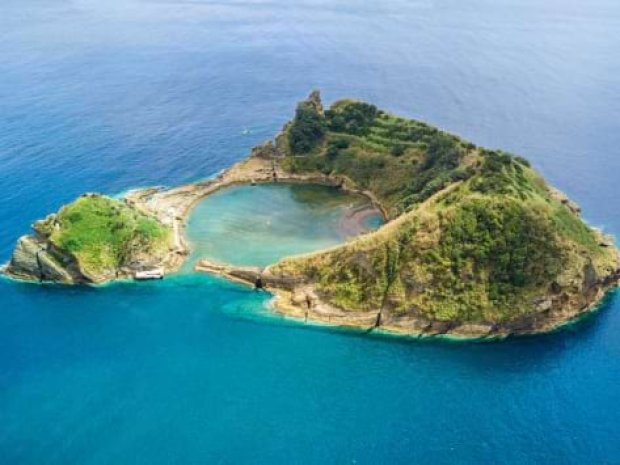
259	225
109	95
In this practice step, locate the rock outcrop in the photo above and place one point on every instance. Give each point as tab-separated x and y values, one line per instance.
92	240
32	259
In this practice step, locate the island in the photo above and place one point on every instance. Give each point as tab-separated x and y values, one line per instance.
475	243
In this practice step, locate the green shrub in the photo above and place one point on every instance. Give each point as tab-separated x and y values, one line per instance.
523	161
398	150
351	117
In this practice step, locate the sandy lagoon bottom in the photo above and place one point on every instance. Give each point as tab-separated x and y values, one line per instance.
258	225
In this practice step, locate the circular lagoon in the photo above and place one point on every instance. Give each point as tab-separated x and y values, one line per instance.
259	225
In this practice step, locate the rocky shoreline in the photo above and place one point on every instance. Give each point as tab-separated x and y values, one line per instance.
298	299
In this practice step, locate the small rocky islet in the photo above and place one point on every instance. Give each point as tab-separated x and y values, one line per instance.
475	244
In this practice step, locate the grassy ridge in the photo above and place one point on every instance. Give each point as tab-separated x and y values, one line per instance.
402	161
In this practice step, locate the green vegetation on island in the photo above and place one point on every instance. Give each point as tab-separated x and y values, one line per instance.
476	235
93	238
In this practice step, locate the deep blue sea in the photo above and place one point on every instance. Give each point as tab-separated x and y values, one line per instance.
106	95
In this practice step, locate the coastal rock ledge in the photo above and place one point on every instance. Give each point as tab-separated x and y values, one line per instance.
475	244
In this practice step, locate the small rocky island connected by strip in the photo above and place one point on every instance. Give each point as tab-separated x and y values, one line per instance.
475	243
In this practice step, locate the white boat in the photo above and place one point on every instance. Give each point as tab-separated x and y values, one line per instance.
154	273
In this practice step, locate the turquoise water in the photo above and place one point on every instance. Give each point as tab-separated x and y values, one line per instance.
258	225
106	96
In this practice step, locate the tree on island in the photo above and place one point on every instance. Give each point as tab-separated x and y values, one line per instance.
309	126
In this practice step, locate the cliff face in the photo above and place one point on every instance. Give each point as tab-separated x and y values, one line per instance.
93	240
478	242
32	260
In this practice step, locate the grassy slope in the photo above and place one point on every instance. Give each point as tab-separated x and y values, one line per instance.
103	233
477	234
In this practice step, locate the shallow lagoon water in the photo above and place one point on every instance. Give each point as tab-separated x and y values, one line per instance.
106	96
259	225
